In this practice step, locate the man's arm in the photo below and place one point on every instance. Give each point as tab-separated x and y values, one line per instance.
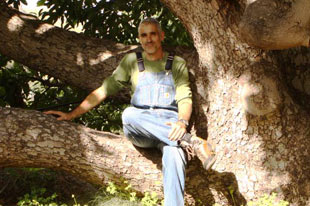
110	86
178	129
92	100
185	110
183	97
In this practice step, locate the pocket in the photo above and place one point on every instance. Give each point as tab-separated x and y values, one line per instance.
166	95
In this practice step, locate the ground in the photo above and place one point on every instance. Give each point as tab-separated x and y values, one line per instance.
16	182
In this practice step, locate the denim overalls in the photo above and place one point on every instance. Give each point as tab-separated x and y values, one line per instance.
144	123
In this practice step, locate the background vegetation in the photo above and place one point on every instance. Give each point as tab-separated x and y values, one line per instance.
26	88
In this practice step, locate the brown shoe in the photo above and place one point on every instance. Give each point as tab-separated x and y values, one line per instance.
194	145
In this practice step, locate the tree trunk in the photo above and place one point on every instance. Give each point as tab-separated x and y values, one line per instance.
252	104
260	129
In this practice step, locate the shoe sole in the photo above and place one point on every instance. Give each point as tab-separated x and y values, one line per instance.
209	162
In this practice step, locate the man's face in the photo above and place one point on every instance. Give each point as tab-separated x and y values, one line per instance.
150	38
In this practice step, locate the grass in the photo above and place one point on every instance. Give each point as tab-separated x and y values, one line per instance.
45	187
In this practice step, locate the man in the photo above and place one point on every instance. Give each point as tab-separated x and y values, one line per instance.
161	108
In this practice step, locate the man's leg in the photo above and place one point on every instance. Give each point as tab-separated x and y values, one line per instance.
150	124
141	129
134	131
174	164
196	146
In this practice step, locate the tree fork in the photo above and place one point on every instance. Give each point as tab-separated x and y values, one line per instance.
246	109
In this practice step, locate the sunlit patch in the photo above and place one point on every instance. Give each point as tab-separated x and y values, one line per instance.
102	56
207	52
79	59
205	49
44	28
250	1
15	24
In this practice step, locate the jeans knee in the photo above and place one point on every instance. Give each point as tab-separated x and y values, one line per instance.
173	156
128	115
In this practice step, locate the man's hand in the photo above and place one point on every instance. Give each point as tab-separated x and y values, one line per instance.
178	129
62	115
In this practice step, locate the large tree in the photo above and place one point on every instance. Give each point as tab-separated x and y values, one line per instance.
251	103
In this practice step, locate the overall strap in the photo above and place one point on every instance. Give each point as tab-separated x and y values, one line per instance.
169	61
140	61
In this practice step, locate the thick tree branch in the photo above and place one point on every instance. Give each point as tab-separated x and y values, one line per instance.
32	139
74	58
273	24
69	56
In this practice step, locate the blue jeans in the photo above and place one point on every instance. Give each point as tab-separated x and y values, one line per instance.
147	128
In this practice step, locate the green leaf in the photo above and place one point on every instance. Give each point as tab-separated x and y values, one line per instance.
2	103
2	91
3	61
41	2
24	2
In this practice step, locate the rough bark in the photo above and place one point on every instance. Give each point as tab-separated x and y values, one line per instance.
31	139
250	103
71	57
74	58
272	24
259	126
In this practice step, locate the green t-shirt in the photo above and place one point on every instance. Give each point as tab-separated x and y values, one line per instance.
127	74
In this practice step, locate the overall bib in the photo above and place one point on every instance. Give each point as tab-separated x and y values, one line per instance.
144	124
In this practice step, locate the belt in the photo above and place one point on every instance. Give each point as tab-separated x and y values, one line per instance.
155	107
